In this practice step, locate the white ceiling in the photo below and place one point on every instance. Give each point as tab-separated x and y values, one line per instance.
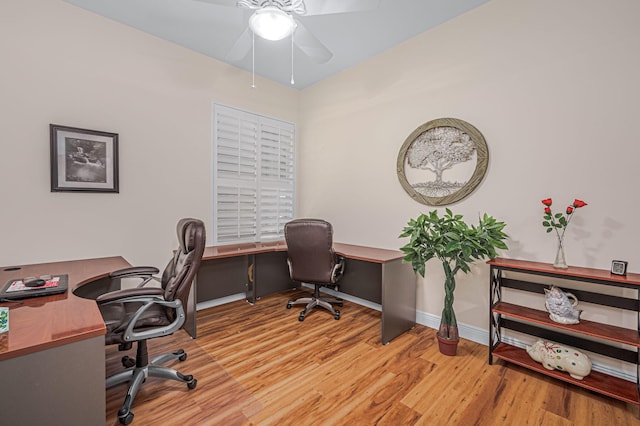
212	30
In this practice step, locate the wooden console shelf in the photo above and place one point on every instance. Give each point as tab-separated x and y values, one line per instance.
588	328
592	336
614	387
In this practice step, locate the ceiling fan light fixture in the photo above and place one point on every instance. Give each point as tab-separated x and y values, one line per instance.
272	23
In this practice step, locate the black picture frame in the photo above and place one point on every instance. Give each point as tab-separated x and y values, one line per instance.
619	267
83	160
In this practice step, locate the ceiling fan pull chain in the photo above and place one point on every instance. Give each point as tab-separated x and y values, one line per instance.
292	82
253	60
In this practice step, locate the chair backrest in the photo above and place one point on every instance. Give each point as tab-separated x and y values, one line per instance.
181	270
310	251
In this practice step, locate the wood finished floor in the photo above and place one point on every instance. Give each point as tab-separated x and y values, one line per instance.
258	365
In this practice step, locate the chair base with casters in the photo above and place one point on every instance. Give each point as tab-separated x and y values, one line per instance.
316	301
139	369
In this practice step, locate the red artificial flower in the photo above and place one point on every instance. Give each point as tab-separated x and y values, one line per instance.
578	203
559	221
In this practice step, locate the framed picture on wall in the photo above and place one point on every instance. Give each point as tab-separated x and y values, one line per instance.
442	161
83	160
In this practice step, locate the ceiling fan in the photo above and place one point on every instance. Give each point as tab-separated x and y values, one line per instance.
275	20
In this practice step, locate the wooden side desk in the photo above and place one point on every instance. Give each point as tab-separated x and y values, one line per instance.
258	269
52	368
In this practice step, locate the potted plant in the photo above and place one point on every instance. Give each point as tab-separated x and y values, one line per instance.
457	245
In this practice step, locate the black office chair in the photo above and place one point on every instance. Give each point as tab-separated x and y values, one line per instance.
142	313
312	260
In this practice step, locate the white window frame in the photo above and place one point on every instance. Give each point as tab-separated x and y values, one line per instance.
253	177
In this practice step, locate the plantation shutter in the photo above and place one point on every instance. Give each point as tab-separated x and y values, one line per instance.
253	177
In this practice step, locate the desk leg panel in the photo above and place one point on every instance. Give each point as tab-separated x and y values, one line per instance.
398	299
191	319
61	385
362	279
221	278
272	274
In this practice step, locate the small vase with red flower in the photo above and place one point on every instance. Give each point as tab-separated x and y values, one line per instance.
558	222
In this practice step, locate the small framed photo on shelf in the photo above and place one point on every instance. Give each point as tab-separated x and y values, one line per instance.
83	160
619	267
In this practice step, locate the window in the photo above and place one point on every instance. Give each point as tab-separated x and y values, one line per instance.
253	176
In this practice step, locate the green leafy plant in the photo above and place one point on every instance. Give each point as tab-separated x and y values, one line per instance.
457	245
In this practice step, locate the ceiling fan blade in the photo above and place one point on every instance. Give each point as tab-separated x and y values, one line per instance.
229	3
241	47
310	45
326	7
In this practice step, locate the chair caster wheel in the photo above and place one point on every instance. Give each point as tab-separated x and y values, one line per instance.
182	357
128	362
192	384
126	420
336	315
301	317
289	305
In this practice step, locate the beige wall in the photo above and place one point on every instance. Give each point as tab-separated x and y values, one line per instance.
551	85
64	65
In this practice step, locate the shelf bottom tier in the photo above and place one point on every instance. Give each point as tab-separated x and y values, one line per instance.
597	382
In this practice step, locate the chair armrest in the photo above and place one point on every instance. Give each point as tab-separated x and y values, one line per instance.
145	273
148	300
121	295
134	271
338	270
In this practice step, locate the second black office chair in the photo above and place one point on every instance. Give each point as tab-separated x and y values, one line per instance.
138	314
312	260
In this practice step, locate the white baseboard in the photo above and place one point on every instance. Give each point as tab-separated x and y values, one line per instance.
348	297
220	301
475	334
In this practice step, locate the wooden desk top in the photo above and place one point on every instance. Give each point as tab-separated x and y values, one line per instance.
232	250
351	251
368	254
44	322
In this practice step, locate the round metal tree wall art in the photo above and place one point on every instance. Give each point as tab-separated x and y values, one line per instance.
442	161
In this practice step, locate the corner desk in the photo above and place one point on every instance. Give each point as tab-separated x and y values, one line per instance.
258	269
52	368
